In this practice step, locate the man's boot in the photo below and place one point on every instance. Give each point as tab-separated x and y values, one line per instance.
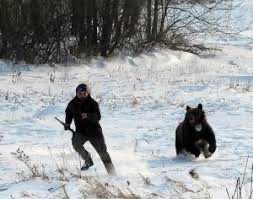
88	163
110	169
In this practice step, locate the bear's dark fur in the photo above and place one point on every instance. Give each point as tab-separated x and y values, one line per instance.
194	135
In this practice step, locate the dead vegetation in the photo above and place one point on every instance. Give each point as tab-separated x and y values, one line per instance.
101	190
241	190
37	171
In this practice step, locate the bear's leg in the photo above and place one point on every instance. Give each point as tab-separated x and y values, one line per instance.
194	150
196	153
179	145
203	146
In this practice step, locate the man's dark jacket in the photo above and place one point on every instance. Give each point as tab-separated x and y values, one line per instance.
89	126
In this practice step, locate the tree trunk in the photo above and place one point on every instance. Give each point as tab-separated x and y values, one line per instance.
155	21
89	26
106	29
94	24
148	29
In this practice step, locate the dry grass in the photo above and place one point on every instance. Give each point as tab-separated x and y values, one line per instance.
34	169
240	191
241	86
145	180
134	102
99	190
181	186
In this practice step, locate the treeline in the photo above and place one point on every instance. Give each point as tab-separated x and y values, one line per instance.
40	31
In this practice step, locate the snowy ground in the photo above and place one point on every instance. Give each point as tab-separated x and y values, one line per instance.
142	100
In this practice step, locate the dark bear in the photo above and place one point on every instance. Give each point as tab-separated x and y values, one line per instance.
194	135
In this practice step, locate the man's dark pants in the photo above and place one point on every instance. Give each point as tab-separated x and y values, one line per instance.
98	143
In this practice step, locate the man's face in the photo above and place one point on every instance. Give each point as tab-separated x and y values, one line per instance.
82	94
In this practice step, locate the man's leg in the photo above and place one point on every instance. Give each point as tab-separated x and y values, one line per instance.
78	141
99	144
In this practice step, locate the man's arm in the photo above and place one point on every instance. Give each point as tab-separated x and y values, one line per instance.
68	116
95	116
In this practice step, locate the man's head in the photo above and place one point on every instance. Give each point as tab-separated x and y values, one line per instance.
82	91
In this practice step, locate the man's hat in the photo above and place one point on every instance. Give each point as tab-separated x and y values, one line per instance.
81	87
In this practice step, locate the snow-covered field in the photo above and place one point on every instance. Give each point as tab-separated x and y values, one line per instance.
142	100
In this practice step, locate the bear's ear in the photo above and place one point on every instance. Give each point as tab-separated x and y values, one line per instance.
200	107
188	108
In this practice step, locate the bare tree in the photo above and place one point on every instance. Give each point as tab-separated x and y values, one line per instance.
40	31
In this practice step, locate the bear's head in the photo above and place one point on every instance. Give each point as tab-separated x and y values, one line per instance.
195	117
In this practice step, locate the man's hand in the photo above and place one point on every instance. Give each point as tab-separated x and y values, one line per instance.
84	115
66	127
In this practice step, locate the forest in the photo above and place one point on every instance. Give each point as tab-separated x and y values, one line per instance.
44	31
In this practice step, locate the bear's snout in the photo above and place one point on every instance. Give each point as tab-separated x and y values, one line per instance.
192	120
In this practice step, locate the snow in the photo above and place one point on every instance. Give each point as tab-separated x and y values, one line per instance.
142	100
